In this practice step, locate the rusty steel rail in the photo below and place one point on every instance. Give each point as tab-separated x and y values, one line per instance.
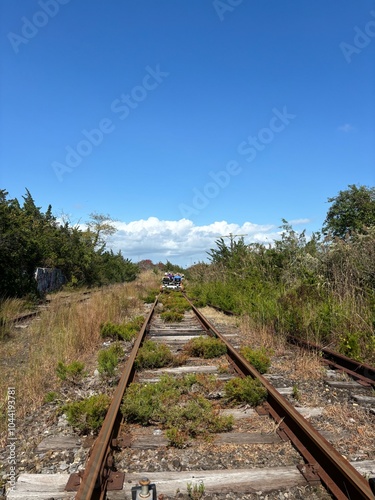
98	472
323	462
362	372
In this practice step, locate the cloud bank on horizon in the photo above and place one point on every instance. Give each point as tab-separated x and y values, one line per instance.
181	241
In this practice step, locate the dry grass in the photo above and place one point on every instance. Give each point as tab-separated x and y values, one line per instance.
298	364
11	308
306	366
63	332
256	336
301	366
218	317
355	427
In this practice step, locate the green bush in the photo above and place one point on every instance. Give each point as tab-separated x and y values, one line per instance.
88	415
171	316
153	355
142	403
175	306
257	357
245	390
206	347
108	359
50	397
71	371
196	417
150	297
175	302
172	404
350	345
126	331
176	437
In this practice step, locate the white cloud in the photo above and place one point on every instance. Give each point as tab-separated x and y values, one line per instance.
181	241
346	128
297	222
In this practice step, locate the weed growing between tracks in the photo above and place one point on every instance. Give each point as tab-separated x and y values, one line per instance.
245	390
205	347
259	358
108	359
126	331
88	415
154	355
175	305
177	405
62	333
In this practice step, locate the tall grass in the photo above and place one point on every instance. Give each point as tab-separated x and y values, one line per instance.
322	291
63	333
10	309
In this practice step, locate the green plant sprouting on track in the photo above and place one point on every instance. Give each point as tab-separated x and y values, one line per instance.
171	316
126	331
245	390
154	355
71	371
87	415
175	305
259	358
172	403
205	347
108	359
195	491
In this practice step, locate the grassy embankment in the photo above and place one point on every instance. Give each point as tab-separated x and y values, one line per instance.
61	333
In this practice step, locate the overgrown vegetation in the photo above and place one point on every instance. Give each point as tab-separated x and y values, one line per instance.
9	310
205	347
87	415
195	491
63	334
51	397
31	239
108	359
125	331
173	404
71	371
321	288
175	305
154	355
245	390
171	316
259	358
151	296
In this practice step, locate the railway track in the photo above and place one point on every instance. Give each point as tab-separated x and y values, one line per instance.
318	461
65	299
362	372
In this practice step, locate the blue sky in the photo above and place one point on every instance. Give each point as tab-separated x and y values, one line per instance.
187	120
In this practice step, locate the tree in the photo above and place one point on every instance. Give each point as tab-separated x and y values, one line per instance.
352	212
99	226
30	238
231	256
